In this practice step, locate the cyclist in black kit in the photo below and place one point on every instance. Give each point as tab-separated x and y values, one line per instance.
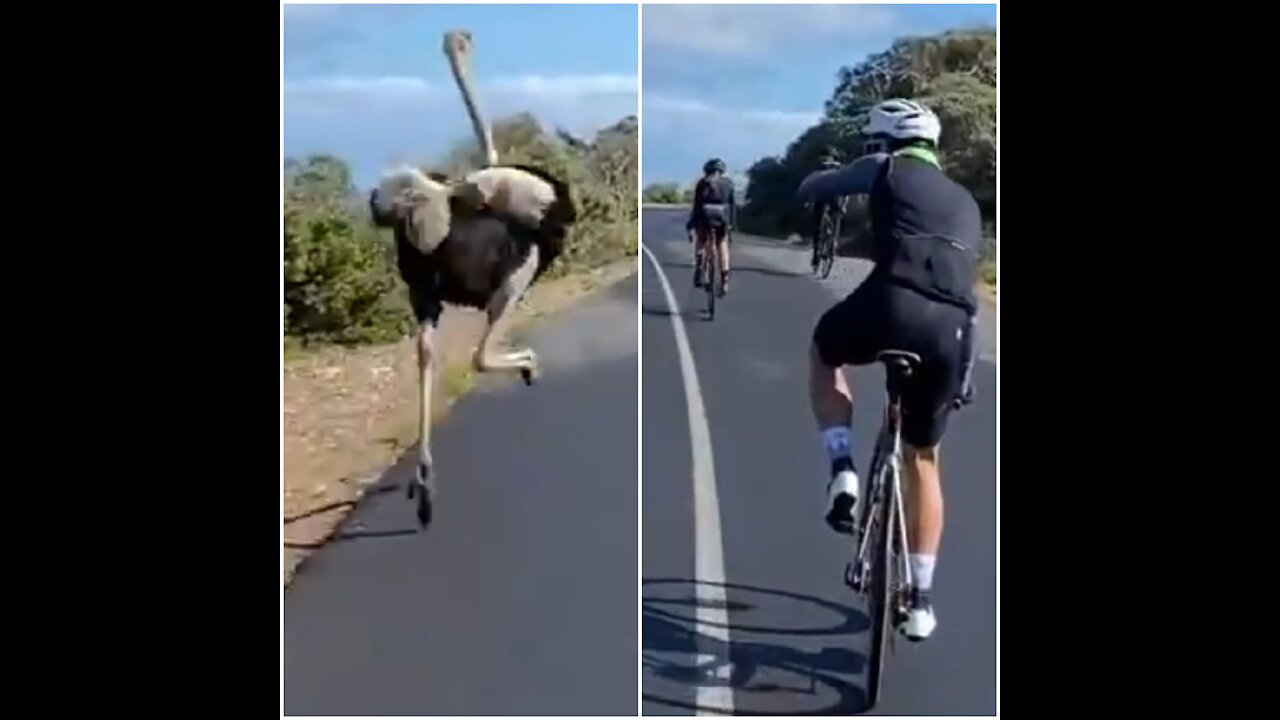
837	207
920	299
714	210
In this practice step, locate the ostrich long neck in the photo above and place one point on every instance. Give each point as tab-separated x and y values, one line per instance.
477	121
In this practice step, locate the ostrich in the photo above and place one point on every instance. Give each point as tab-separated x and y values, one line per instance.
478	242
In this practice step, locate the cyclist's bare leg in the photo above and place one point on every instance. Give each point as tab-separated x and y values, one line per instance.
832	406
699	247
723	248
829	395
922	488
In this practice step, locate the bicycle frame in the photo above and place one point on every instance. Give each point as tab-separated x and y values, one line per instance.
886	466
894	469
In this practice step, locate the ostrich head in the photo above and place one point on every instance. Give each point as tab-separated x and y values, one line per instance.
457	43
413	204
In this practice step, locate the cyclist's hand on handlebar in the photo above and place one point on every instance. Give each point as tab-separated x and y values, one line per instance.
964	398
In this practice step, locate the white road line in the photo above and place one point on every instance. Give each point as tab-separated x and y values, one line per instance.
711	619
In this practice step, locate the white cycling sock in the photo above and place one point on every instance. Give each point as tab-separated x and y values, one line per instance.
922	569
838	442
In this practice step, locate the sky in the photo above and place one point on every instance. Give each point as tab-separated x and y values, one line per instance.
370	83
742	81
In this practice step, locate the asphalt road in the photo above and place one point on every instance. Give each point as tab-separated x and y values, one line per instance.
520	599
787	637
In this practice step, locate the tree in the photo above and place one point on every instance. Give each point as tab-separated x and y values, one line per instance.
954	73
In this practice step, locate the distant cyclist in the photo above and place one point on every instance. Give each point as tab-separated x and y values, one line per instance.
920	299
830	161
714	211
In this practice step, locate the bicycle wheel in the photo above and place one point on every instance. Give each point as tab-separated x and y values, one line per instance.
709	285
880	596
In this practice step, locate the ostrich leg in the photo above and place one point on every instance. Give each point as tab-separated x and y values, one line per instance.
500	313
424	483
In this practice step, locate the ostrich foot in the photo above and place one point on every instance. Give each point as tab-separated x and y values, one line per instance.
422	487
530	371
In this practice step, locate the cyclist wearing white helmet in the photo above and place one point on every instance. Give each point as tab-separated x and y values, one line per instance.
714	210
920	299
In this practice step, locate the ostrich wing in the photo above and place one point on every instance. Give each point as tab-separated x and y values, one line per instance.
510	191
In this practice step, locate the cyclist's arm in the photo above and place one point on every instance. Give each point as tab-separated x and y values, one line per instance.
856	178
697	202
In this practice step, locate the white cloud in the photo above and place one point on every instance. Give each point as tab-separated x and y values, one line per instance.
740	30
386	85
571	86
666	104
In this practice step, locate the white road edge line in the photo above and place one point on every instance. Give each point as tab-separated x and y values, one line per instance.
711	619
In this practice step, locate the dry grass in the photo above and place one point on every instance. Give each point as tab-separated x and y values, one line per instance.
349	413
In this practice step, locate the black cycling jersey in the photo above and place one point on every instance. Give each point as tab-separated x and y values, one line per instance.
714	203
926	227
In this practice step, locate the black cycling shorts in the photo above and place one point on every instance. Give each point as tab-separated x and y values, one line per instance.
706	227
879	316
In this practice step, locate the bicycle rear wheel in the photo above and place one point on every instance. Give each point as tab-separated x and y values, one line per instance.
880	596
709	284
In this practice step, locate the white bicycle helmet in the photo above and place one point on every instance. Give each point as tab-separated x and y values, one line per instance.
903	120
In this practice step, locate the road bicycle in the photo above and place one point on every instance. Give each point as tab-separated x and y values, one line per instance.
825	243
708	272
828	234
880	571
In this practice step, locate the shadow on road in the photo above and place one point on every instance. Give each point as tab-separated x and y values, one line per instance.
350	535
345	533
661	311
772	676
735	269
377	489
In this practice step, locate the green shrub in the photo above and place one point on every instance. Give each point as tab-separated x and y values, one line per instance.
665	193
340	284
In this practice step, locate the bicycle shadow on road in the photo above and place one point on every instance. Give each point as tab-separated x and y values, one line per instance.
735	268
768	676
664	311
